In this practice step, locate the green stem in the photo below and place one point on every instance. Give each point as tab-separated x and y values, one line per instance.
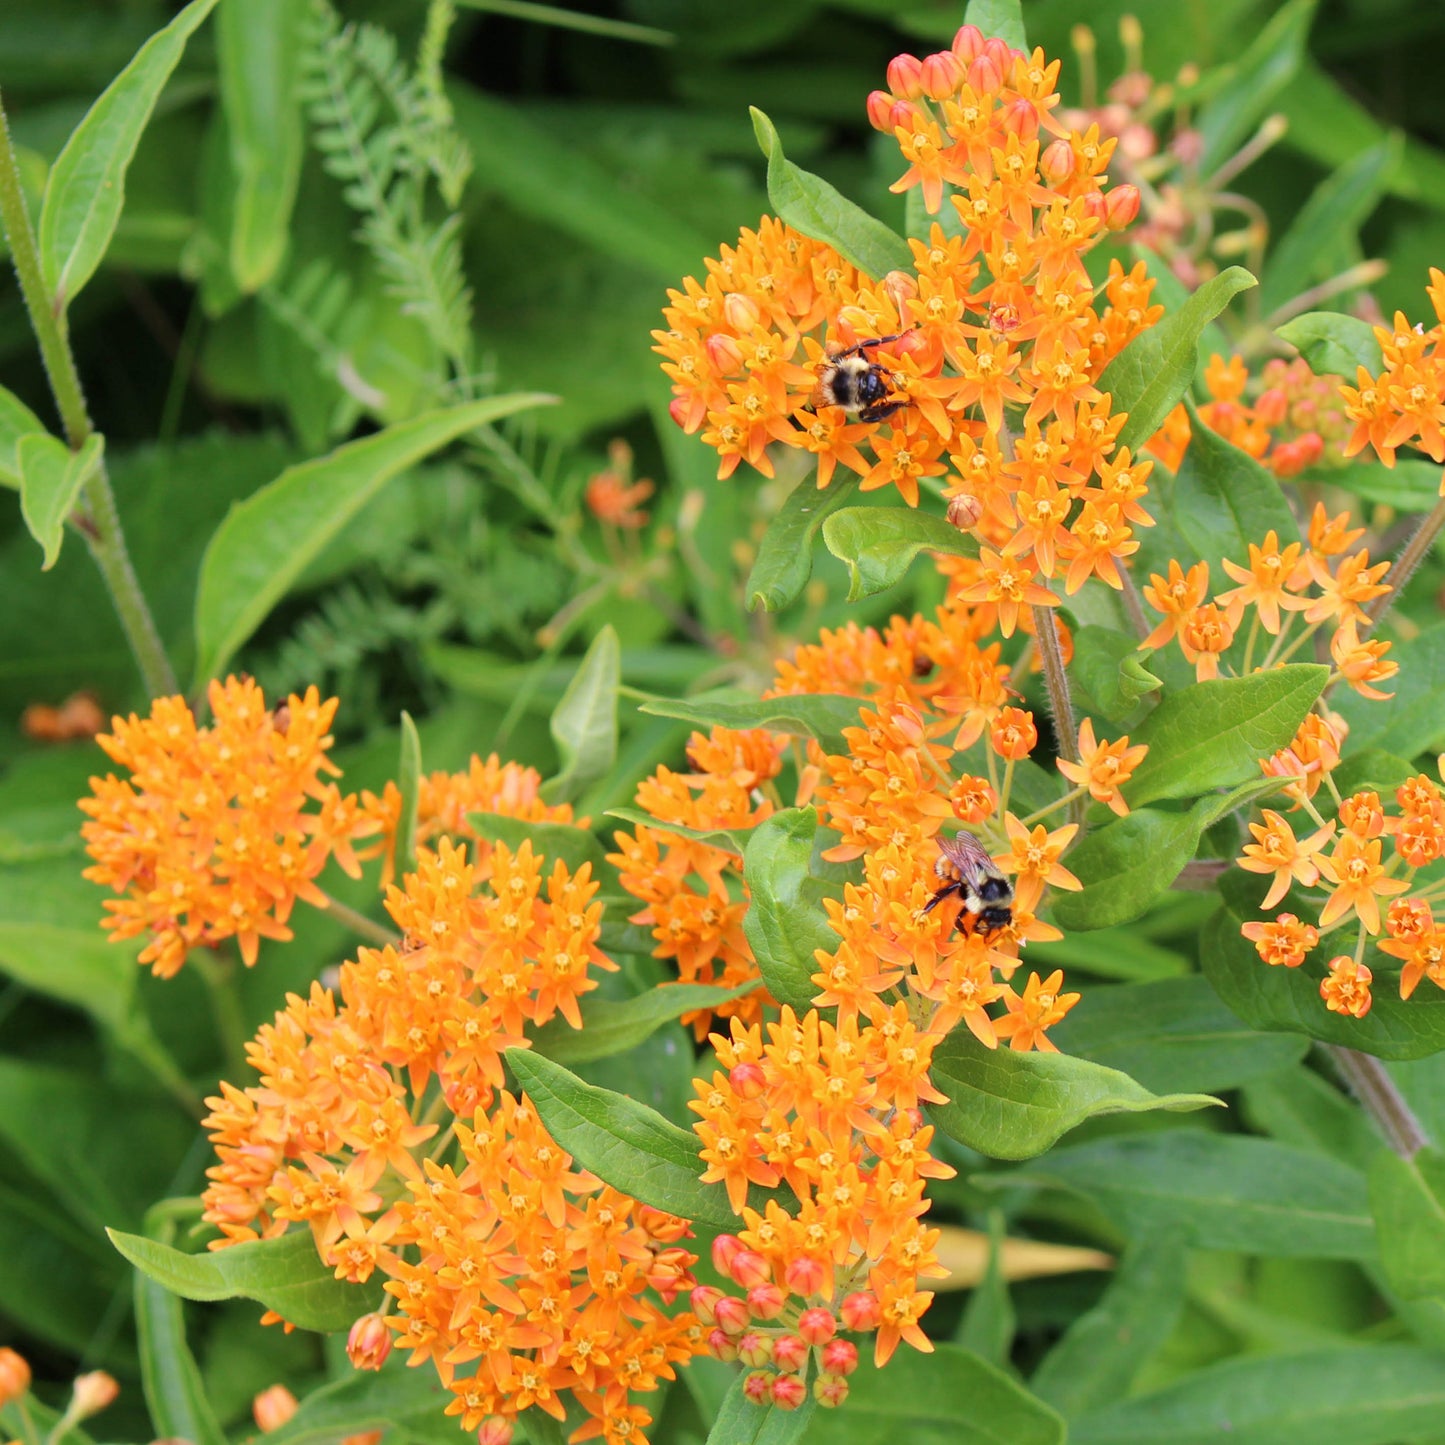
1381	1100
220	977
361	925
95	516
1061	705
1408	560
1134	605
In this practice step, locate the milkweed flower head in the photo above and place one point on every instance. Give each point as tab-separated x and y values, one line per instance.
219	828
381	1125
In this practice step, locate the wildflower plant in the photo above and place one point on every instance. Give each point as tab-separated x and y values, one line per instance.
654	1039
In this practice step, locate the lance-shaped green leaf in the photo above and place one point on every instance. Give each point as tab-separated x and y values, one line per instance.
1003	18
821	716
878	544
612	1026
285	1275
740	1422
1110	670
574	846
1331	342
16	421
1408	1200
408	782
1408	486
785	555
1367	1394
267	541
785	921
51	478
1010	1105
810	205
734	840
258	52
1153	371
584	723
624	1143
1213	734
86	189
1413	721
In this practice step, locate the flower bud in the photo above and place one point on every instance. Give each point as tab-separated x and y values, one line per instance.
964	511
973	799
1094	205
861	1310
1271	407
758	1387
985	76
741	312
905	76
678	409
790	1353
724	1247
880	105
369	1343
669	1273
904	116
748	1079
749	1269
721	1346
496	1430
665	1228
805	1277
830	1391
968	43
1137	142
766	1301
703	1299
1013	734
14	1376
1121	207
788	1392
272	1408
724	353
817	1326
1021	118
1056	164
93	1391
732	1315
899	287
840	1357
755	1348
942	75
997	49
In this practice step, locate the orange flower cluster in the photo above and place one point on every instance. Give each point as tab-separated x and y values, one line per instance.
613	497
1295	422
1318	580
1345	856
516	1275
998	317
1402	406
834	1113
210	837
445	801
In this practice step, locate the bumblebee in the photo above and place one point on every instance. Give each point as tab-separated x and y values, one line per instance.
852	380
971	876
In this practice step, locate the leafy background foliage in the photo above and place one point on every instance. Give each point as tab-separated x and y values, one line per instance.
325	230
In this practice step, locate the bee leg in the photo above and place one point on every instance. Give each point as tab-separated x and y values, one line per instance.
952	891
858	348
880	410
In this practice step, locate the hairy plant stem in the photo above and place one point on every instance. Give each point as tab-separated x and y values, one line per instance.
1134	605
1061	705
1408	560
95	516
360	924
1381	1100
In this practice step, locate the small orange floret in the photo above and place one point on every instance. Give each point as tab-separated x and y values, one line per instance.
1103	768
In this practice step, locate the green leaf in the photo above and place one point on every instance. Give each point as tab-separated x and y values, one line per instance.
1108	668
1413	722
1299	1107
785	555
86	189
411	1402
1003	18
1103	1350
1332	343
1264	69
611	1026
584	722
1352	1395
267	541
990	1322
1214	734
733	840
821	716
810	205
784	922
1009	1105
284	1274
1337	208
949	1397
16	421
175	1393
878	544
1172	1034
1408	486
258	55
624	1143
574	846
408	781
1226	1191
739	1422
51	478
1408	1199
75	965
1154	371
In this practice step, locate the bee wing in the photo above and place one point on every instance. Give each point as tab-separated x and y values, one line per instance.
969	856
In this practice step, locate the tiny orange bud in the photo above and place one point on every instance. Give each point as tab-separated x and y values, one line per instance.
1121	206
14	1376
861	1310
92	1393
840	1357
880	106
942	74
968	43
817	1326
368	1343
273	1407
789	1392
830	1391
758	1387
495	1430
905	76
964	511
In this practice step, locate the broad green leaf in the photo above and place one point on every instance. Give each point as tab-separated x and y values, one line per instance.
1289	998
584	723
878	544
1333	343
1339	206
784	922
258	52
268	540
1408	486
285	1275
574	846
1371	1394
612	1026
949	1397
1108	668
1009	1105
810	205
821	716
51	478
734	840
1297	1106
175	1392
1104	1349
408	782
785	555
411	1402
739	1422
1408	1198
1003	18
1226	1191
1264	69
1172	1034
1413	721
1154	371
86	189
16	421
540	1428
624	1143
1214	734
1112	953
75	965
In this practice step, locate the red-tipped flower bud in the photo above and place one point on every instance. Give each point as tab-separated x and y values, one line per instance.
905	76
1021	118
731	1315
805	1277
496	1430
703	1299
749	1269
272	1408
758	1387
721	1346
880	104
766	1301
678	409
942	75
840	1357
789	1392
817	1326
1121	207
964	511
985	77
724	353
369	1343
1056	164
724	1247
1272	406
830	1391
755	1348
861	1310
741	312
748	1079
968	43
790	1353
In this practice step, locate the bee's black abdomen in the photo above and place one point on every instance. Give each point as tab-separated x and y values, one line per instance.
992	920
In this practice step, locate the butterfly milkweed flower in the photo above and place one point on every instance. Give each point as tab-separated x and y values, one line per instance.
219	829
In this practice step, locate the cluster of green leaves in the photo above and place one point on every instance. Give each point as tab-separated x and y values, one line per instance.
295	266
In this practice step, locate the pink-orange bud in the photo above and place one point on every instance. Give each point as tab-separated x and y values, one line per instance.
985	76
1021	118
749	1269
840	1357
678	409
722	1346
766	1301
905	76
789	1392
805	1276
669	1273
741	312
817	1326
790	1353
1271	407
942	74
758	1387
1056	164
724	1247
830	1391
1121	207
14	1376
703	1299
968	43
92	1393
369	1343
748	1079
880	104
861	1310
899	287
964	511
724	353
732	1315
904	116
755	1348
273	1407
496	1430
